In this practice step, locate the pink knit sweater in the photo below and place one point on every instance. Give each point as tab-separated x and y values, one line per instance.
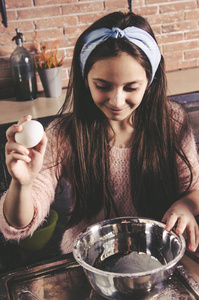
46	182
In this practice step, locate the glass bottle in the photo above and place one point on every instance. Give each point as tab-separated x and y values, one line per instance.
23	71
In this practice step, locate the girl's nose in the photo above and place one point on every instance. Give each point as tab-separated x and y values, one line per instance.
117	100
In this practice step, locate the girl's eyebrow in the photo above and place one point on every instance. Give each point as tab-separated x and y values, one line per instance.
109	82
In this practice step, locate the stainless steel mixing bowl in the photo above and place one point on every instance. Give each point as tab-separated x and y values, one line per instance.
127	258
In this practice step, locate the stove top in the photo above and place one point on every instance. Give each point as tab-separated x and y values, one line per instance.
62	278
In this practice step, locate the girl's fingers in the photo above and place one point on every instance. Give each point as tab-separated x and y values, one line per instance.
181	221
14	147
10	133
170	222
181	225
191	238
197	236
24	119
17	156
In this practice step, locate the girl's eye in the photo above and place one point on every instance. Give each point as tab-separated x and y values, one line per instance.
130	89
102	87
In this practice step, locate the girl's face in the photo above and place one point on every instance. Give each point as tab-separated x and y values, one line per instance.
117	86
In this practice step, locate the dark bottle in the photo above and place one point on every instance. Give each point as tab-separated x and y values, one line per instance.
23	71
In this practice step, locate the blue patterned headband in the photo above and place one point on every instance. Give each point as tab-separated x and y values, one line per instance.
135	35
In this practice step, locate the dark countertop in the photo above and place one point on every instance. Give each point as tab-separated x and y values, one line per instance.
62	278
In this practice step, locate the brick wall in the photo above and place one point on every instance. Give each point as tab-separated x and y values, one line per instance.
175	23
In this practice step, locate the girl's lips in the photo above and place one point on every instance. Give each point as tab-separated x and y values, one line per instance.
115	111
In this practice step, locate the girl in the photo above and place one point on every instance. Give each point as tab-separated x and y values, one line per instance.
124	150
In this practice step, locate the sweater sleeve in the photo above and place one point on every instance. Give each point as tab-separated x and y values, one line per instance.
192	156
43	192
187	141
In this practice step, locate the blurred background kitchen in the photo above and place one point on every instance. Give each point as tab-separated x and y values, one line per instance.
175	23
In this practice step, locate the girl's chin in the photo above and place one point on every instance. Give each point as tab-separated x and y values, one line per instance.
119	117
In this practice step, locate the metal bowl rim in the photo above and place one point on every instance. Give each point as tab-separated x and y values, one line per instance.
138	274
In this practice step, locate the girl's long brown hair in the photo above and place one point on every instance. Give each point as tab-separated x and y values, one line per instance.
155	145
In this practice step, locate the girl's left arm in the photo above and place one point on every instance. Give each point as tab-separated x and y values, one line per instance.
181	215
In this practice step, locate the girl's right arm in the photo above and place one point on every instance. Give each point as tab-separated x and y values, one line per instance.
23	165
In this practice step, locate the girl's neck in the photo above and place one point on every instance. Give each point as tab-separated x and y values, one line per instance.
122	135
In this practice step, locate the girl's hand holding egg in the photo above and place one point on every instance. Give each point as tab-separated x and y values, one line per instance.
25	149
31	134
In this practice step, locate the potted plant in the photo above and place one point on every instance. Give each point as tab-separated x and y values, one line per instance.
49	67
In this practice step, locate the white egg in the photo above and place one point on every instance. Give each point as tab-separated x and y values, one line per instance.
31	134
